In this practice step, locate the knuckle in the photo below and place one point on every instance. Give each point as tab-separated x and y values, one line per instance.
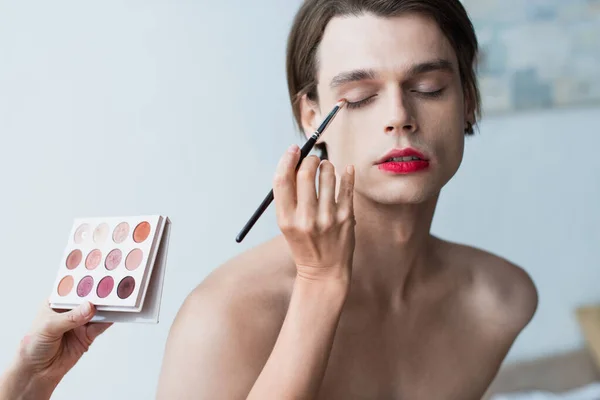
326	223
345	215
71	317
47	325
279	180
23	348
286	225
307	225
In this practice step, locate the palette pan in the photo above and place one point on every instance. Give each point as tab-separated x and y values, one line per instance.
114	263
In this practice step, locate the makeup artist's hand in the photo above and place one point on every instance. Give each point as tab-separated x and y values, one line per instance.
54	345
319	230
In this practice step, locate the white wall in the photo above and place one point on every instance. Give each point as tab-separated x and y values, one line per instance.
529	190
120	108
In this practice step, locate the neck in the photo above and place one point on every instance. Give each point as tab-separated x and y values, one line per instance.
393	245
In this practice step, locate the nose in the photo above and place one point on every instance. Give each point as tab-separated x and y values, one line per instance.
401	117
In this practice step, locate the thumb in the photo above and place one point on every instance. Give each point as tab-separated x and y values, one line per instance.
60	323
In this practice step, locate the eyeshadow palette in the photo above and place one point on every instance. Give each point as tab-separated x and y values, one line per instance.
117	264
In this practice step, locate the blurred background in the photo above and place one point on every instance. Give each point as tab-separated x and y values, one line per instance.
181	108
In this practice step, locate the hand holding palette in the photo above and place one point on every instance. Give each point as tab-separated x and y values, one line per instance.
117	264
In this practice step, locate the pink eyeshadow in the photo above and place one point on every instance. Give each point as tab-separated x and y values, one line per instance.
84	287
113	259
73	259
105	286
93	259
121	232
134	259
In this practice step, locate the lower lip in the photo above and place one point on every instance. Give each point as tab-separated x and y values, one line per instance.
404	167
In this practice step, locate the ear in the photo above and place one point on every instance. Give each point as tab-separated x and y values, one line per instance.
309	116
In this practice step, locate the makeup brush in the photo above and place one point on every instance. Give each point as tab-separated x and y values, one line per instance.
308	146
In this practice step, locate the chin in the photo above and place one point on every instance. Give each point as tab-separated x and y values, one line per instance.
400	193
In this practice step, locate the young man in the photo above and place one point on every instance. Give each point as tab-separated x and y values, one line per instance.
357	300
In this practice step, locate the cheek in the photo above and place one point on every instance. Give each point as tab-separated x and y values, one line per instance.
450	149
457	150
345	141
448	138
447	118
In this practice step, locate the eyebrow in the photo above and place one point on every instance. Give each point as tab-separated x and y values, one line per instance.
367	74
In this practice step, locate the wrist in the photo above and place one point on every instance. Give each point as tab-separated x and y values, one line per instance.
338	275
40	387
328	289
23	383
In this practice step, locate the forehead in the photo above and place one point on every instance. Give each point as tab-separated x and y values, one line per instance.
386	44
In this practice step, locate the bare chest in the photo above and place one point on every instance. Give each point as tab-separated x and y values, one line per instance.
427	359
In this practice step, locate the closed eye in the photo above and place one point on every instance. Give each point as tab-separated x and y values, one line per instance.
434	94
364	102
360	103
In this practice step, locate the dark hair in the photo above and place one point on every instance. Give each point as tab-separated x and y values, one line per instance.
314	15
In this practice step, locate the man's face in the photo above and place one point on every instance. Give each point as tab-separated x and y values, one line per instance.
402	74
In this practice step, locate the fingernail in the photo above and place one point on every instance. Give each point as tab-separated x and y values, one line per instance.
350	169
86	309
293	148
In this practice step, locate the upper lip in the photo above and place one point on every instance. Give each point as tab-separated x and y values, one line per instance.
406	152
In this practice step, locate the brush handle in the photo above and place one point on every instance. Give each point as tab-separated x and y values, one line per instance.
306	149
259	211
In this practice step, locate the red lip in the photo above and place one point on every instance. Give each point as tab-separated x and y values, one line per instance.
403	167
407	152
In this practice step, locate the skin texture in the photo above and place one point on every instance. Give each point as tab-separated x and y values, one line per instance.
56	342
386	310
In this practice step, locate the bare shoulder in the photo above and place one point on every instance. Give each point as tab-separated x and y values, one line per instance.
227	326
501	293
260	277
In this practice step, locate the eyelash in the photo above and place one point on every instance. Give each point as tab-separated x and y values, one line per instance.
360	103
431	95
364	102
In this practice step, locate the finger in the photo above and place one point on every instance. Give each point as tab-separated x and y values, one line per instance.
284	184
326	188
346	194
58	324
96	329
306	188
